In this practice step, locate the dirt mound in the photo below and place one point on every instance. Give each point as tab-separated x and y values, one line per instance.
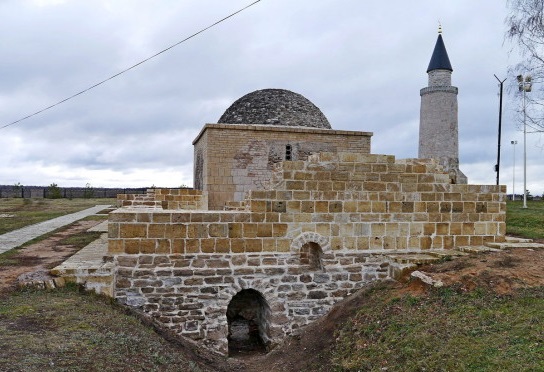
502	272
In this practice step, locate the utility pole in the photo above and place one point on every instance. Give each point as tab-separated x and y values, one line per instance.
497	167
525	85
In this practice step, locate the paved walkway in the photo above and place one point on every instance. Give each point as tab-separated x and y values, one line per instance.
89	257
15	238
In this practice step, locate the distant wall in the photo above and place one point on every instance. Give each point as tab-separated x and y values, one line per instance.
11	191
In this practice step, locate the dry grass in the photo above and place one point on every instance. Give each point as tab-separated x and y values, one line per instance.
17	212
65	330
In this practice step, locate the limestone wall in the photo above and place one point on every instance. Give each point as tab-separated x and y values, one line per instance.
233	159
188	199
320	231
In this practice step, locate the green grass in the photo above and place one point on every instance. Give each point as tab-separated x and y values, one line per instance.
26	212
527	223
82	239
64	330
9	258
447	330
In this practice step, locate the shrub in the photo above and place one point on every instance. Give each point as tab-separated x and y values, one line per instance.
54	191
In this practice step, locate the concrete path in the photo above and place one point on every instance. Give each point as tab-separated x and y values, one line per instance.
15	238
90	256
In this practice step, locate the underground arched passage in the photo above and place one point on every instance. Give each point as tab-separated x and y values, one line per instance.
311	255
248	316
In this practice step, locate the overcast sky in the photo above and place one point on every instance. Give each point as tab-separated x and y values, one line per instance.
362	63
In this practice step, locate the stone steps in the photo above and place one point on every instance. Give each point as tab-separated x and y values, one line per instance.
87	267
513	239
477	249
402	263
421	258
413	258
510	245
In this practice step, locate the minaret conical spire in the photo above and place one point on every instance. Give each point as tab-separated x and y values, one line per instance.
440	59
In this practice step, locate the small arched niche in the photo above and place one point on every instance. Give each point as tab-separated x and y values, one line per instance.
311	255
248	317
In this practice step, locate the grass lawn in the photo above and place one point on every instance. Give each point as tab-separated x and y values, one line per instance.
527	223
446	330
65	330
17	212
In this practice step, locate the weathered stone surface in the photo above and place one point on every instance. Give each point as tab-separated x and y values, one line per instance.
275	107
349	219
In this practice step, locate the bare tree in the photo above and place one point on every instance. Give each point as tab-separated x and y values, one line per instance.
525	28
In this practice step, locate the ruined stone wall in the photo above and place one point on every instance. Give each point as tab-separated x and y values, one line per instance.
233	159
321	230
188	199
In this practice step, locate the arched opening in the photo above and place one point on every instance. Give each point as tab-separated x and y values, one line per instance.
248	316
311	254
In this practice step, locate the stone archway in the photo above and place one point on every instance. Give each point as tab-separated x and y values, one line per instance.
312	249
311	255
310	237
248	318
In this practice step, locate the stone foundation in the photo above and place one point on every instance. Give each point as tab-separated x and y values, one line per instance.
324	228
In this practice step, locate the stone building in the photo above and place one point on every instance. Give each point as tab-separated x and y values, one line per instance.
438	126
256	132
289	216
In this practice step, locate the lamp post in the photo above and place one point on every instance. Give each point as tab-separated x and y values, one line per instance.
498	166
525	85
514	172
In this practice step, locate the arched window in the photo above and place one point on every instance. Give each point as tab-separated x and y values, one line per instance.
311	254
248	316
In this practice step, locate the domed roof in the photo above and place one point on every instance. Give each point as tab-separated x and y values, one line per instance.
275	107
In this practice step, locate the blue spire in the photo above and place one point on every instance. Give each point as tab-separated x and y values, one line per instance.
439	60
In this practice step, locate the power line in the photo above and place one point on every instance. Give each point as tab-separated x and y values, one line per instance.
131	67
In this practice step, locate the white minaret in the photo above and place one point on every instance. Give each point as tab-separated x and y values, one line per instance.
438	133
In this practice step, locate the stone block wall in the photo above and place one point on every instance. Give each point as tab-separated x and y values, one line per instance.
319	232
188	199
231	159
382	203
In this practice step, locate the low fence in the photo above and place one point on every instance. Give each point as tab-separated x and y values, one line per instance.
11	191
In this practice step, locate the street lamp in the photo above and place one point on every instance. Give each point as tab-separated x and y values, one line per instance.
514	172
525	85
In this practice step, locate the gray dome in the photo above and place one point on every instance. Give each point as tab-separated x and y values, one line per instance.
275	107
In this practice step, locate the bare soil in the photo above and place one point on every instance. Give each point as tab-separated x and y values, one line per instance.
35	260
502	272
